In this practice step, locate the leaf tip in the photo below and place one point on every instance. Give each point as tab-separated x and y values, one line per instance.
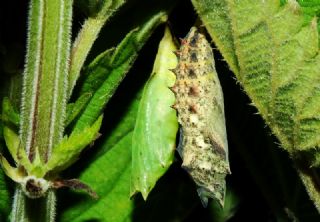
314	23
294	6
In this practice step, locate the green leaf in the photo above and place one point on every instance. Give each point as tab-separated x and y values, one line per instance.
9	114
215	16
5	197
276	59
291	58
75	109
96	72
12	141
108	172
10	171
102	11
11	121
121	61
93	77
154	136
70	147
109	176
63	155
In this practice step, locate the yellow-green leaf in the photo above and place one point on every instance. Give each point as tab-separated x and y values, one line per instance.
70	147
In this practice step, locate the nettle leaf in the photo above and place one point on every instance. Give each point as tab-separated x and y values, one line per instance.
10	120
115	68
69	148
95	73
109	176
10	86
274	55
5	197
63	155
154	135
107	173
10	171
12	141
9	114
75	109
99	12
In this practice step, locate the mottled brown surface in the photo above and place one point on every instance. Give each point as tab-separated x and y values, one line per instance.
199	103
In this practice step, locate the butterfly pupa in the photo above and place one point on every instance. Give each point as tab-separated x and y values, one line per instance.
199	103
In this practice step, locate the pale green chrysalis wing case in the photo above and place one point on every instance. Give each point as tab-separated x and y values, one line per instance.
199	104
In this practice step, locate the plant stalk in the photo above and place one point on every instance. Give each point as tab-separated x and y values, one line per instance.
43	105
86	37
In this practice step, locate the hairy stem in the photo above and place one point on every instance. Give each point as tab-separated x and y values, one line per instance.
33	210
311	181
45	76
18	210
86	37
44	95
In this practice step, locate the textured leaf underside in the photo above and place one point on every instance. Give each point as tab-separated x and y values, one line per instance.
275	57
277	64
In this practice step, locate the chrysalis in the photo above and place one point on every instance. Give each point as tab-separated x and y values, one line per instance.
199	104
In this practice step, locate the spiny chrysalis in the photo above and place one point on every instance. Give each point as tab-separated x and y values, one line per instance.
199	103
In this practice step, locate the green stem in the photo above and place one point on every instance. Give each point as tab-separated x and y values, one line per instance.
18	209
42	209
43	107
45	76
311	182
86	37
81	48
33	210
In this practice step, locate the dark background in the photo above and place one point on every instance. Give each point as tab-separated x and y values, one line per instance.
262	175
